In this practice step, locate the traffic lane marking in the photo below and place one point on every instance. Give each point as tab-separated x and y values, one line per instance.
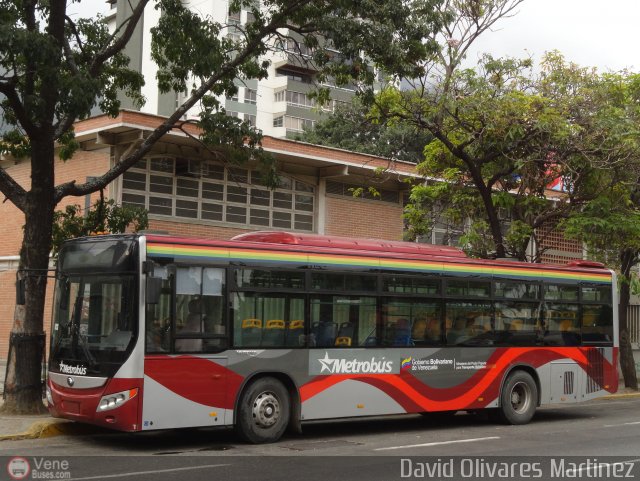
439	443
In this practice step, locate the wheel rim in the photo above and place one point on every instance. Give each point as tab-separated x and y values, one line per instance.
266	409
520	397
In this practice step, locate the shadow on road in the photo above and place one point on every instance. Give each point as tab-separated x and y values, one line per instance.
315	435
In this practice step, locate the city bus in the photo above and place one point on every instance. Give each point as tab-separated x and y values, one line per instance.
269	330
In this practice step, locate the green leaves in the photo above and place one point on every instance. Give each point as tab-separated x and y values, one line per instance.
104	217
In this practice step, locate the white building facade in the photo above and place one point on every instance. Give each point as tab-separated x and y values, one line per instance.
279	105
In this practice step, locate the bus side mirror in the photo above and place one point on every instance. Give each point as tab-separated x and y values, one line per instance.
154	289
20	293
64	293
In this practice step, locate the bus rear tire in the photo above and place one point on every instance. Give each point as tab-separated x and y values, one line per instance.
518	399
263	412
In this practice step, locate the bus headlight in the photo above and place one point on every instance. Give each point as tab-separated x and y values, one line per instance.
112	401
49	396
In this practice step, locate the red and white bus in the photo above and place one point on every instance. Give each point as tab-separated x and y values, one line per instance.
272	329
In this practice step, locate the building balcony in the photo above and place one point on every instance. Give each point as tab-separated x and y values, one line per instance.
295	61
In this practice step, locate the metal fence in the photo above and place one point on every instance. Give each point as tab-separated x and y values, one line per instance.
633	320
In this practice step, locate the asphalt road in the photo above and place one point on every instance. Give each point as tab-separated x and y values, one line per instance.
577	439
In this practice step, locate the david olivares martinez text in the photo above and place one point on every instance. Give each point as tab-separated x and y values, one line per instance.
482	468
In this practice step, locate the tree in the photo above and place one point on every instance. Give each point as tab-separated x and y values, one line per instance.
610	224
610	227
351	128
104	217
55	70
503	137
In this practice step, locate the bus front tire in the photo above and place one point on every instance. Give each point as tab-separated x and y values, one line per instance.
263	412
518	399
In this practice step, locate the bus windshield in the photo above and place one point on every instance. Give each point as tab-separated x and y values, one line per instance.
94	319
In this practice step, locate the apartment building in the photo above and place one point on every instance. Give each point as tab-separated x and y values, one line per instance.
279	105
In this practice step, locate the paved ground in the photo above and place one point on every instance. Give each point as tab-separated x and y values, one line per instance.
604	431
41	426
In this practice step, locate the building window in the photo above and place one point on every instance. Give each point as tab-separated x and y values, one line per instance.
347	190
235	37
292	46
296	124
234	18
293	75
278	121
250	96
299	99
191	189
250	119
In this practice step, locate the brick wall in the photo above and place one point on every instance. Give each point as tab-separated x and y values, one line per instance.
363	218
559	250
84	164
195	230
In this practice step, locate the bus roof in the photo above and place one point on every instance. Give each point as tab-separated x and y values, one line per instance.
382	249
376	245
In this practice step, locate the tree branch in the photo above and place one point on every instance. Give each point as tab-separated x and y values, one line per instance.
12	190
71	188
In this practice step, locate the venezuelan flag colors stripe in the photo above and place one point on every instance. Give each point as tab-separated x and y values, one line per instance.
284	257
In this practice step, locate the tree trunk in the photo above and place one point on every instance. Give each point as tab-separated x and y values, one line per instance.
492	217
23	384
627	363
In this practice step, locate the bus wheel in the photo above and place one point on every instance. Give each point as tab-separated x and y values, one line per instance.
518	399
263	412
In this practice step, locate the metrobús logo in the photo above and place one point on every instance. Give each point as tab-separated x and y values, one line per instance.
354	365
67	369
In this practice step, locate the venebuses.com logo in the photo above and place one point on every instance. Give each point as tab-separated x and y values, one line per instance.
39	468
18	468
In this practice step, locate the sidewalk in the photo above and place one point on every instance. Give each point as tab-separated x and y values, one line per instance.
43	425
28	426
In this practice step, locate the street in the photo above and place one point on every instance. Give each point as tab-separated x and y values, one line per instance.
369	449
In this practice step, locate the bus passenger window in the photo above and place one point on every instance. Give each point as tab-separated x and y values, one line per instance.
267	320
562	325
597	324
342	321
200	315
470	323
517	323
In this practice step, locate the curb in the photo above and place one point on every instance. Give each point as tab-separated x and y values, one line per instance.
622	395
41	429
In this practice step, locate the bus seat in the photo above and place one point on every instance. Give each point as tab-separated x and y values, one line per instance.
345	334
566	325
516	325
589	319
568	334
403	333
419	329
295	329
434	329
251	332
346	330
273	333
324	333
